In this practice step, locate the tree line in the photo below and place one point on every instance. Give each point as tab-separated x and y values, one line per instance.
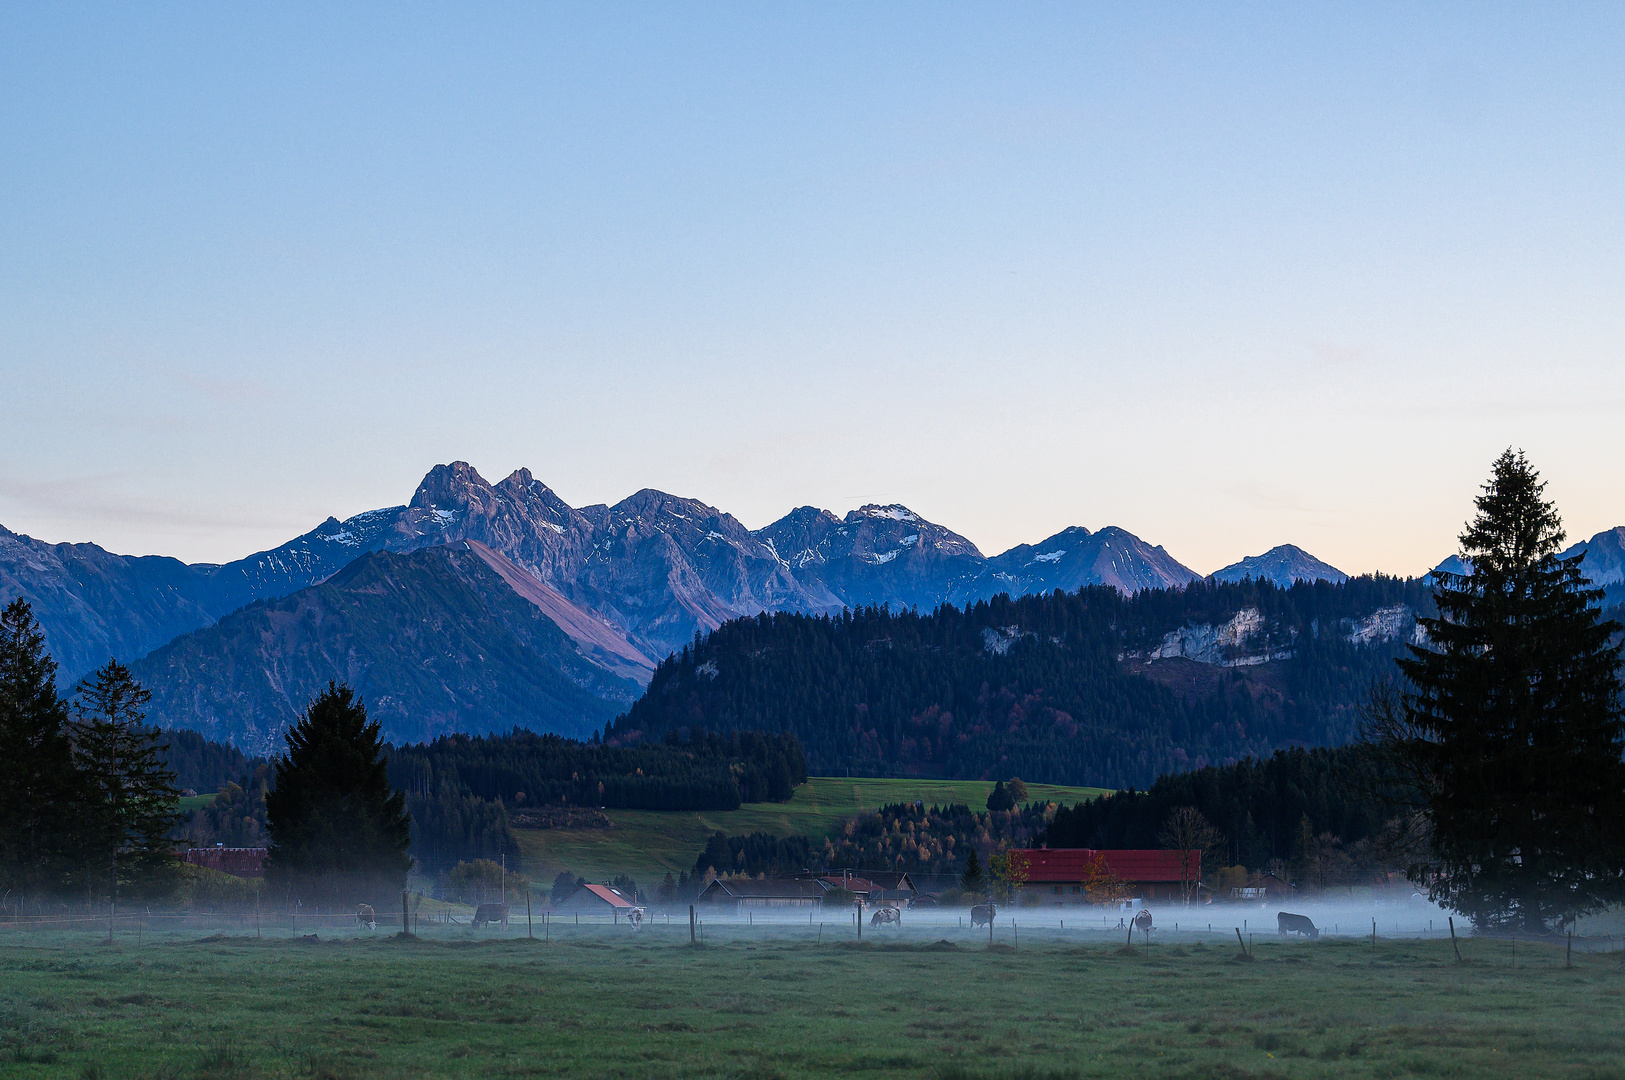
466	792
1041	685
86	799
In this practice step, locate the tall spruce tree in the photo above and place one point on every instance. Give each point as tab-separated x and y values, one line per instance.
36	767
339	832
126	793
1513	723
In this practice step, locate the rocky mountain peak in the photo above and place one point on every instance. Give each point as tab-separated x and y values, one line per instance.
1283	565
451	487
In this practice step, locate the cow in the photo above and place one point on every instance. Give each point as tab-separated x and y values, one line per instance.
1142	921
983	915
885	916
491	913
365	916
1289	923
634	919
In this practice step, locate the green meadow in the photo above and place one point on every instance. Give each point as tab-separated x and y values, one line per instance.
648	843
778	1002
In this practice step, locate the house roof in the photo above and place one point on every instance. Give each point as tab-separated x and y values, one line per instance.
1129	864
870	879
604	893
766	889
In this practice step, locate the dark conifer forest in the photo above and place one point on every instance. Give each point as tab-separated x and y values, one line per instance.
1261	807
1057	688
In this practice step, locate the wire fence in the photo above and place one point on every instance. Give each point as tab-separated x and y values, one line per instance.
703	925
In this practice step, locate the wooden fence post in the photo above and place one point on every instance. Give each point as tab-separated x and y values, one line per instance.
1453	944
406	916
691	939
528	932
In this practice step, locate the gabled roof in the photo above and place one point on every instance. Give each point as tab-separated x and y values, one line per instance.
1129	864
604	893
766	889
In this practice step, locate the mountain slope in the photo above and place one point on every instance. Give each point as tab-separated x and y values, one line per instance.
875	555
434	641
1283	565
1075	558
95	605
1093	687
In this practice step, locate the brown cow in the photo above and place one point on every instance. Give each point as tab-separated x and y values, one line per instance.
886	915
983	915
365	916
491	913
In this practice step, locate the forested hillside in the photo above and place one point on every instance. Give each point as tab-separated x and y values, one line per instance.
1092	687
434	641
1264	809
464	793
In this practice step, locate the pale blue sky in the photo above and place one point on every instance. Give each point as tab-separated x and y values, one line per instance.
1225	276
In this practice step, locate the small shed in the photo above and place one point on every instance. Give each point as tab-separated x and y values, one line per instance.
595	900
243	862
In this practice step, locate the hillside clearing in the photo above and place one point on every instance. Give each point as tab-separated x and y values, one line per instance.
648	843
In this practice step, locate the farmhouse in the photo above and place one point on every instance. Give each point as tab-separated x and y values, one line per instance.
244	862
742	893
595	900
1062	875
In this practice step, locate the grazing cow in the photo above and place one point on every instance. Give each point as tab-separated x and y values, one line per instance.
983	915
491	913
364	916
1142	921
886	915
1289	923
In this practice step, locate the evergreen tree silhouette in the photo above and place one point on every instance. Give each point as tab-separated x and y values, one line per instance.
36	769
1513	720
126	789
339	831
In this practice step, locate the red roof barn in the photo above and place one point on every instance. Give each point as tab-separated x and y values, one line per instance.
1060	875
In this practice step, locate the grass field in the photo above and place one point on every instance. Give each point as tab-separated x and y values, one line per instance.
648	843
188	803
763	1003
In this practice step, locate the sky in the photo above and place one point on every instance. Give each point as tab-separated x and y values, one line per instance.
1227	276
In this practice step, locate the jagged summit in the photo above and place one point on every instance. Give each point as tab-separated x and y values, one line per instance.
1075	557
1283	565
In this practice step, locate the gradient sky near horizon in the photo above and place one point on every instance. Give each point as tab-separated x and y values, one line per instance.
1226	276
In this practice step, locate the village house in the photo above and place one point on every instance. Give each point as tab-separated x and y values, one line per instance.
1060	876
595	900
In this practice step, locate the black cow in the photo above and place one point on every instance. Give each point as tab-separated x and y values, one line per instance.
983	915
1289	923
491	913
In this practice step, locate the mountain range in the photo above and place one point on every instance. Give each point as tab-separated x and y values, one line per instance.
234	649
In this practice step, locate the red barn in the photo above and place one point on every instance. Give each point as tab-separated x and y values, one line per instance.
1062	875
